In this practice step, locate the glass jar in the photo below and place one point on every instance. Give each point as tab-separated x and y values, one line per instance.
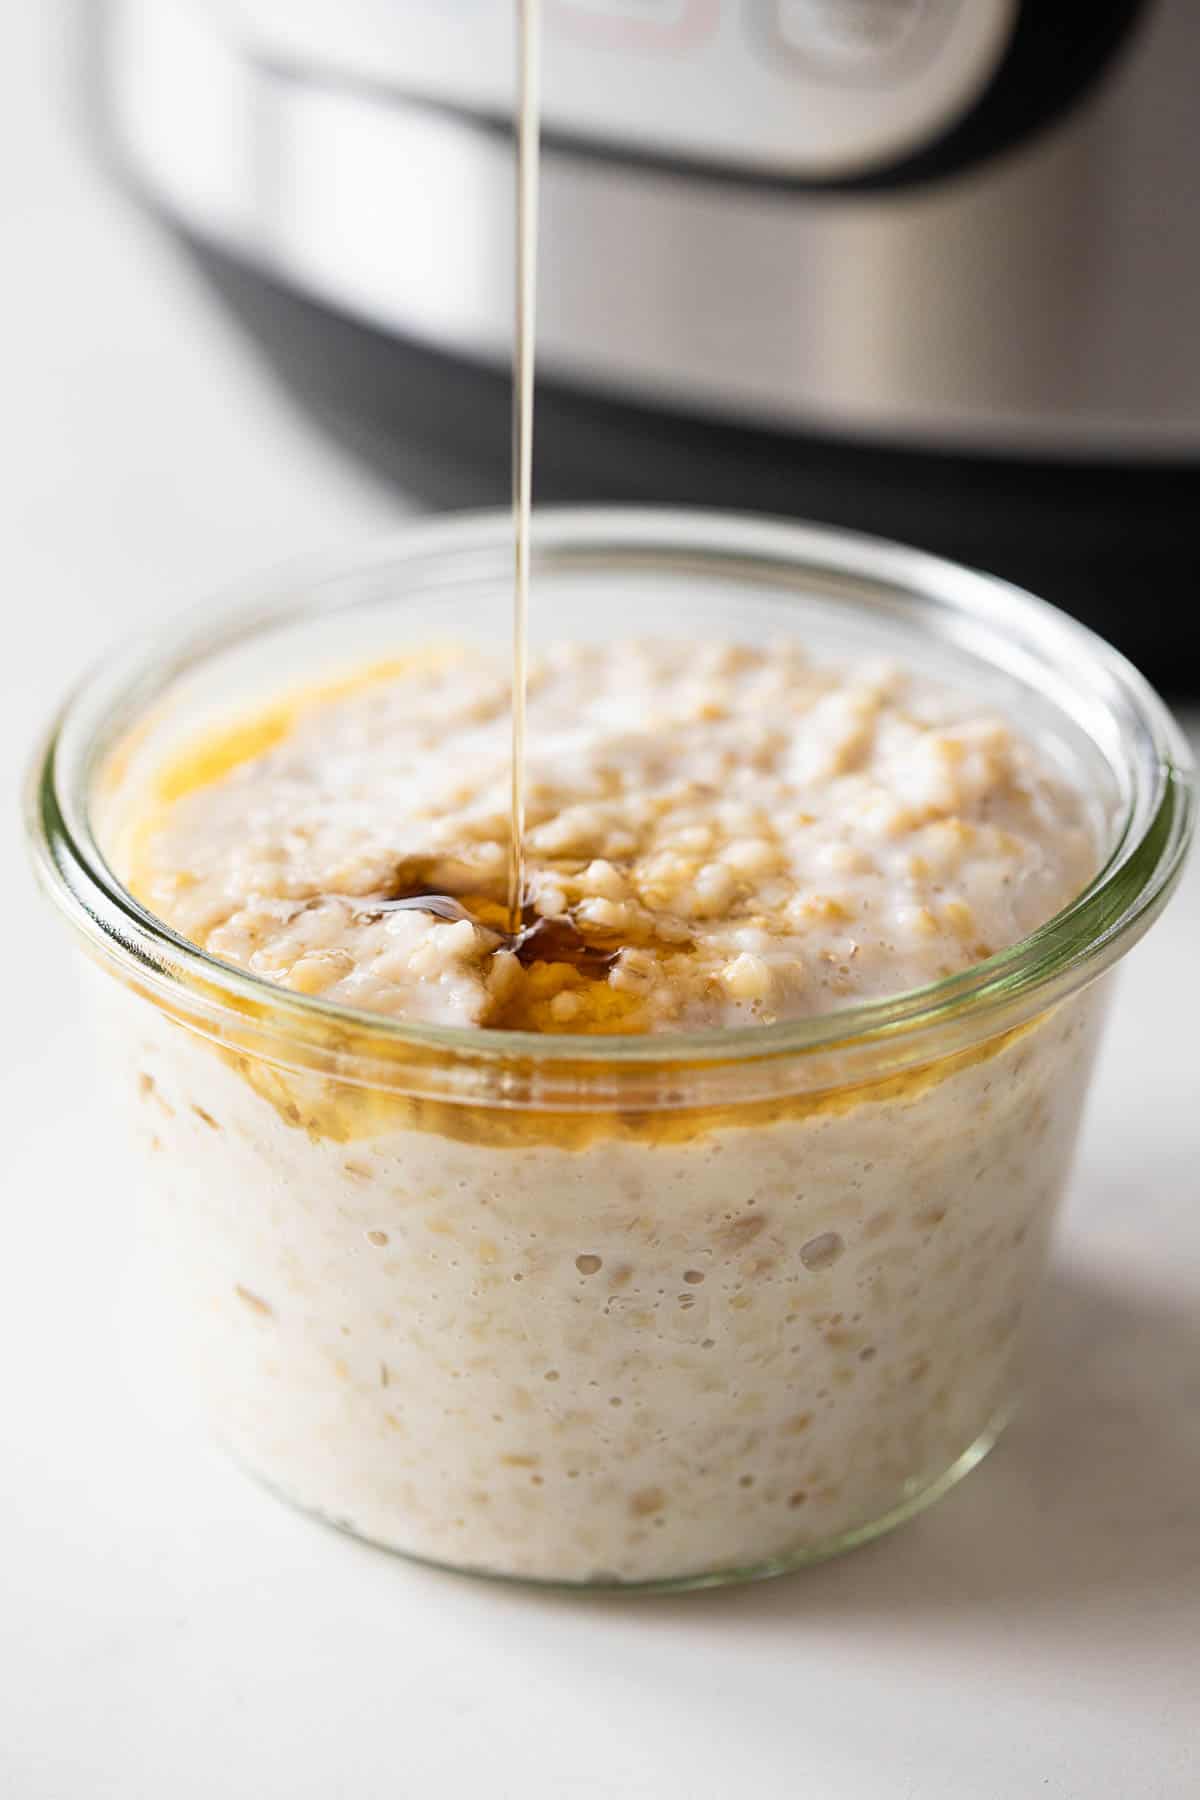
636	1310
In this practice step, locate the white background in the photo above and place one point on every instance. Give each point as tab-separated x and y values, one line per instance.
166	1630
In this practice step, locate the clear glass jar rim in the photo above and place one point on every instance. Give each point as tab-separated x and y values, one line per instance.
1069	949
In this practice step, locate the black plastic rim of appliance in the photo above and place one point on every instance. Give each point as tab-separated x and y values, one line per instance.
1056	55
1114	542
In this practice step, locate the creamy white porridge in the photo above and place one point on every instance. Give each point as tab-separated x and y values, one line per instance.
601	1343
755	836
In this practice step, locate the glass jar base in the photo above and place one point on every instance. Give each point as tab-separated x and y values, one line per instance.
732	1576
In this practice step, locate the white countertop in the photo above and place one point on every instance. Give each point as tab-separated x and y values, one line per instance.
166	1629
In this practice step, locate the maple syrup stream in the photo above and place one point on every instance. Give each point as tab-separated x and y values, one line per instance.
528	158
532	938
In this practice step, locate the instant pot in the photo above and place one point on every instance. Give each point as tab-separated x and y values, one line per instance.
930	268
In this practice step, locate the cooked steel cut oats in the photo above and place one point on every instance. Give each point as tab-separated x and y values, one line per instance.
751	835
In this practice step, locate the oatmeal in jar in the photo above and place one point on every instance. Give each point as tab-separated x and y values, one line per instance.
601	1342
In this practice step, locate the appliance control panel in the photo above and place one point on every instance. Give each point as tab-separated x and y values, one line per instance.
803	89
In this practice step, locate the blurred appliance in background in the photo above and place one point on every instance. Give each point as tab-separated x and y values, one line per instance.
924	267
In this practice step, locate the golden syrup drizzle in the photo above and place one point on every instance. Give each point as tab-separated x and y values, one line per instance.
558	945
528	132
536	939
